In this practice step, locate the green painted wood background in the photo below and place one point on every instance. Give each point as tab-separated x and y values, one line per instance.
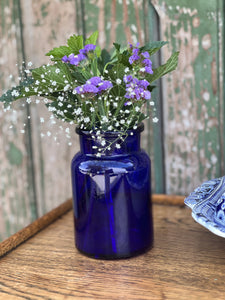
186	146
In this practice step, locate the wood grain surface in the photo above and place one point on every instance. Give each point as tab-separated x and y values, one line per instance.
186	262
24	234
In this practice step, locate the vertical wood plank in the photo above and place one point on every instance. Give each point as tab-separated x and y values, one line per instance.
154	134
193	95
15	188
48	24
123	22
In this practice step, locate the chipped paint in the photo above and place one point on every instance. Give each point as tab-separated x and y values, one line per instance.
192	111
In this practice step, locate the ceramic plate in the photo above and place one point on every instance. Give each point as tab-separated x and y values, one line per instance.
208	205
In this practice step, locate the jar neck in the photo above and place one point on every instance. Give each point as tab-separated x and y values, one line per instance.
90	143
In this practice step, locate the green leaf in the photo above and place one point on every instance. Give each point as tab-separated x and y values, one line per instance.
117	46
51	75
68	113
169	66
10	95
98	51
92	39
117	72
79	77
75	43
59	52
153	47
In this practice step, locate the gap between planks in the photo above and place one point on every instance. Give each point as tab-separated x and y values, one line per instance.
24	234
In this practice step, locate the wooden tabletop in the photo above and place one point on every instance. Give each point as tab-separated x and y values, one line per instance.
187	262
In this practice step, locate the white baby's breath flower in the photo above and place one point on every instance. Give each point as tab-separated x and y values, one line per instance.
66	88
103	142
155	120
27	89
104	119
15	93
118	146
151	103
92	109
57	70
49	133
137	108
126	70
30	64
42	120
86	120
118	81
28	100
77	111
54	83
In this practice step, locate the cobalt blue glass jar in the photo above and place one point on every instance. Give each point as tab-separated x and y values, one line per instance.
112	197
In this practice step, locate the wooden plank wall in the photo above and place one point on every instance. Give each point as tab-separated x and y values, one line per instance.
193	96
186	146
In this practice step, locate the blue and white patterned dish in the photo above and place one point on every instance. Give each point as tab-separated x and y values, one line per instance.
208	205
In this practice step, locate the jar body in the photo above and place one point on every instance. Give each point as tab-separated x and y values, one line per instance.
112	202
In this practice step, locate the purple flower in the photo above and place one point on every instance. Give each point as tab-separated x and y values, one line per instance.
76	59
94	86
145	54
73	60
127	78
90	88
136	89
81	56
133	58
104	85
95	80
65	58
79	89
135	51
149	70
143	83
89	47
147	95
147	62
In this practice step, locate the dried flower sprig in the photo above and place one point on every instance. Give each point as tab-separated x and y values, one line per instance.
88	87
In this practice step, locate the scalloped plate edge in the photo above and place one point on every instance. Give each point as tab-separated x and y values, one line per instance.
211	226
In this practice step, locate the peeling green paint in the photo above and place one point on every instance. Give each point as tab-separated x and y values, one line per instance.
44	9
14	155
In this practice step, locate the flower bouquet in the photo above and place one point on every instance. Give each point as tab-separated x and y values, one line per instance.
99	92
106	96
